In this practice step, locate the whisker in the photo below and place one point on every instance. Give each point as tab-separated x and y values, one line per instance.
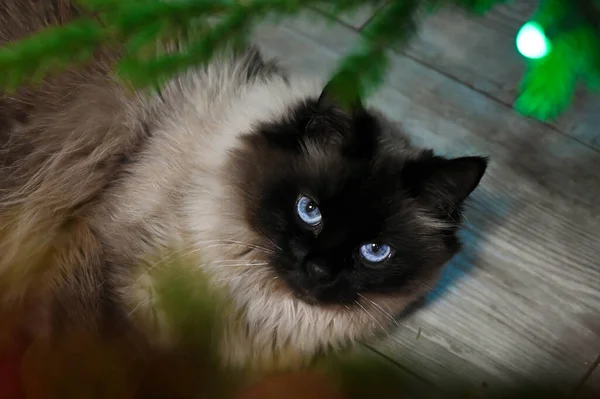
380	309
255	247
430	288
383	313
233	260
232	279
372	317
140	303
180	255
250	245
167	258
242	264
274	244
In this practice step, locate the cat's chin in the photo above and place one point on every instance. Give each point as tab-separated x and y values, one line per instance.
270	327
311	300
326	302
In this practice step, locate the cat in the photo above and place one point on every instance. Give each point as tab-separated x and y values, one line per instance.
319	221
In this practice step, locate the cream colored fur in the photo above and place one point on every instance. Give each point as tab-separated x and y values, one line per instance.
74	219
185	176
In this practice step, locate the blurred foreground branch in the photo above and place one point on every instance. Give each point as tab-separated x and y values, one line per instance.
570	29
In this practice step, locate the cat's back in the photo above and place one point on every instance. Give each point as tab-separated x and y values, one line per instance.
41	122
62	142
80	145
19	18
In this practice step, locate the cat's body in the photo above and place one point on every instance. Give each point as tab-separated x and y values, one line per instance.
97	182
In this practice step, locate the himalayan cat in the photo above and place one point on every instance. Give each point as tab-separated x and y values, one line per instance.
318	221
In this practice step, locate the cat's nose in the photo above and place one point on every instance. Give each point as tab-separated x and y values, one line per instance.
317	271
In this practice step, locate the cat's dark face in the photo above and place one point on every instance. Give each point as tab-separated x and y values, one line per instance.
348	207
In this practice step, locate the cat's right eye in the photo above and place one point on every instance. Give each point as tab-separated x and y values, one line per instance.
308	211
311	126
375	253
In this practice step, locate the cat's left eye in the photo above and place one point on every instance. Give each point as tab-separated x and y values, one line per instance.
308	211
375	253
311	126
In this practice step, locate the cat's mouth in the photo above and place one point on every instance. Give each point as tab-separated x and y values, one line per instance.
324	296
305	297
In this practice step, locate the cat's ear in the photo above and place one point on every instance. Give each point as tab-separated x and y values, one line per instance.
443	183
330	98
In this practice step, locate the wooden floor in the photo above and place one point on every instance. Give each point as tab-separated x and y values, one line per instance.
521	305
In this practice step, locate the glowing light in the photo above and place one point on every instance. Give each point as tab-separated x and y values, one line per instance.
532	42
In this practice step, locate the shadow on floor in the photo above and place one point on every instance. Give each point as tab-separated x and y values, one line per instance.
480	218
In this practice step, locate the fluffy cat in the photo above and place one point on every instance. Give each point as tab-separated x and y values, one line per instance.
319	222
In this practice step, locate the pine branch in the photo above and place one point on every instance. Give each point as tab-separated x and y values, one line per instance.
364	69
549	84
139	26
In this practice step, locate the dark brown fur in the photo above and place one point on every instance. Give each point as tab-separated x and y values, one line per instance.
61	143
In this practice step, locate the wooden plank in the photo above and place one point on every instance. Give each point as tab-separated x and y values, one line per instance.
523	302
369	374
472	53
582	119
480	53
509	17
591	386
593	383
358	18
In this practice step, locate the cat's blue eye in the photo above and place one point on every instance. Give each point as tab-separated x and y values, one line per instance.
375	253
308	211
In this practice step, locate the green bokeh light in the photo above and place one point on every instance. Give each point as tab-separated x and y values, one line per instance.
532	42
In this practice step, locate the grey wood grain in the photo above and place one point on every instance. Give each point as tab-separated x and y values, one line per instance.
521	304
358	18
593	383
591	386
470	51
374	375
510	16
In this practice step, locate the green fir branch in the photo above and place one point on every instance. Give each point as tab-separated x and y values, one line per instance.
550	83
202	27
364	69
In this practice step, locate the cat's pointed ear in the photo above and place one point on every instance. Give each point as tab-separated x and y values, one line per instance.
443	183
330	98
